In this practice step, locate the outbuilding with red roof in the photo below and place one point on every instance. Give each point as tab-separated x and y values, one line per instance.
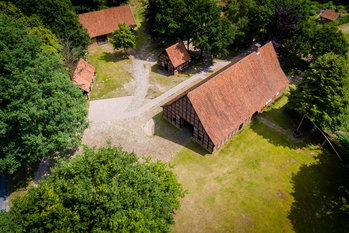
328	16
220	105
175	58
100	24
83	75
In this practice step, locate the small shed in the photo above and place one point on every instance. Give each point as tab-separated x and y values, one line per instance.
220	105
101	24
175	58
83	76
328	16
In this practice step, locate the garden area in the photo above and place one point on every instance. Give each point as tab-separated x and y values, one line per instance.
261	181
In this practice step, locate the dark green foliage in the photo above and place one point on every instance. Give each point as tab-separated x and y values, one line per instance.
82	6
208	31
321	94
310	41
41	110
35	26
123	38
59	17
238	13
169	19
107	190
286	21
197	22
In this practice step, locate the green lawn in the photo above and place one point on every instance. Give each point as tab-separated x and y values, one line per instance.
345	30
275	112
112	73
260	181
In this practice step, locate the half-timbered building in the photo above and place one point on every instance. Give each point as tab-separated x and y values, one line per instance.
101	24
220	105
175	58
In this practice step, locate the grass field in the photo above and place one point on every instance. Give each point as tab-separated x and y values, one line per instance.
260	181
345	30
113	78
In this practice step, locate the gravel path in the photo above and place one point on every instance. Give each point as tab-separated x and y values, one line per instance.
112	108
140	74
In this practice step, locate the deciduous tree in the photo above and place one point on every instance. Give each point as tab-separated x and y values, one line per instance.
107	190
123	38
321	94
41	110
60	18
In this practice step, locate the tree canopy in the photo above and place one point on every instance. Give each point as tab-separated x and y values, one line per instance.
197	21
107	190
34	25
60	18
82	6
123	38
42	111
322	94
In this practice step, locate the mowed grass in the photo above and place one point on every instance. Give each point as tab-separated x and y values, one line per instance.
160	81
276	113
113	73
259	181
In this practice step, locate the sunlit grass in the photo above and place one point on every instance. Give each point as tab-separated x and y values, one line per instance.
112	73
247	185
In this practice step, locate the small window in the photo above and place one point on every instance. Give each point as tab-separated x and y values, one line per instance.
174	119
199	138
242	124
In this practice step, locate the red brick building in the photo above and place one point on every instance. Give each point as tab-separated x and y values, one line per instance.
328	16
175	58
100	24
219	106
83	75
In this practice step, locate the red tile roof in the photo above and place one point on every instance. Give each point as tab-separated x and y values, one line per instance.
178	54
83	75
330	14
222	2
232	95
106	21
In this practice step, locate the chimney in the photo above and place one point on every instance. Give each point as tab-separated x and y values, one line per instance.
257	47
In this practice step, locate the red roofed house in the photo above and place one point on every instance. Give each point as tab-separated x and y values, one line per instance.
220	105
175	58
100	24
83	75
328	16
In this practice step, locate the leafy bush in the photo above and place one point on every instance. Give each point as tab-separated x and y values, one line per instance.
107	190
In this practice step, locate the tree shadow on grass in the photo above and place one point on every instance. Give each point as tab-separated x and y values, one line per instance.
321	197
114	57
285	122
182	137
155	69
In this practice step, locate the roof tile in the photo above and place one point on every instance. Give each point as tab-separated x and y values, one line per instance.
106	21
178	54
330	14
232	95
83	75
